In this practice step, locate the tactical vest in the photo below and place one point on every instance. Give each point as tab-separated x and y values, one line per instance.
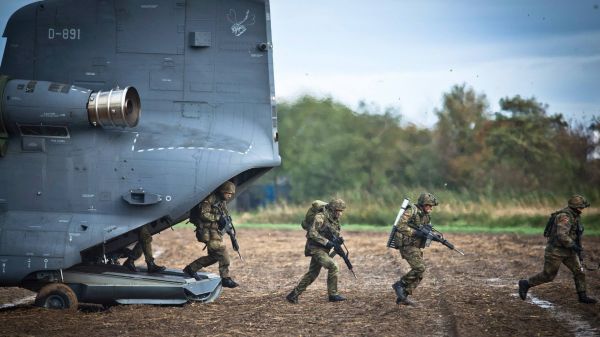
573	220
417	218
207	230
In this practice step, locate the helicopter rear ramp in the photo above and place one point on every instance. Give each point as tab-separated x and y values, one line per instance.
110	284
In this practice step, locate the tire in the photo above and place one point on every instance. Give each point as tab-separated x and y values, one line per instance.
57	296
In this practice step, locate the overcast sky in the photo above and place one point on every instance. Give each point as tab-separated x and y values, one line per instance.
406	54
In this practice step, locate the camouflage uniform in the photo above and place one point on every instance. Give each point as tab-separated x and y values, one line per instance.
318	247
562	248
143	246
209	213
409	246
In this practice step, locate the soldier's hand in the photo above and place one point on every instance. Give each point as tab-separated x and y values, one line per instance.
577	248
338	240
329	245
419	234
222	221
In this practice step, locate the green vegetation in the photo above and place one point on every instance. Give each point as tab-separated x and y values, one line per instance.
491	170
525	230
520	152
523	223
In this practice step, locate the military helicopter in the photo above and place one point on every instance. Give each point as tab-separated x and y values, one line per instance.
81	167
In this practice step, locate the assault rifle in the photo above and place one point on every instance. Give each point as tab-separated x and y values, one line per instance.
391	243
428	233
226	226
578	234
337	249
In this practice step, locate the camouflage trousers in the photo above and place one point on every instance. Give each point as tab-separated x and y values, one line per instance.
414	257
553	257
144	245
216	253
320	259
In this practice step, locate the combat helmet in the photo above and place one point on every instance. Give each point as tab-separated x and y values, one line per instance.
227	187
336	204
427	199
578	201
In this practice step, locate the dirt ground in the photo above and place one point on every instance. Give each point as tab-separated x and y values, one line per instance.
472	295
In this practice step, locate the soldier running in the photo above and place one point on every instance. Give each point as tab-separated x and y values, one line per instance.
409	243
318	245
564	246
208	216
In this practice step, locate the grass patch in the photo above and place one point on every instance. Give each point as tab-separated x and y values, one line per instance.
459	229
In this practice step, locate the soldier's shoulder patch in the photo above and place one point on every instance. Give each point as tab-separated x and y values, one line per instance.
562	218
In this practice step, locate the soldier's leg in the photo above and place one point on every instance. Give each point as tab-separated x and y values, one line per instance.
136	252
414	257
551	264
572	262
328	263
201	262
145	243
307	279
219	253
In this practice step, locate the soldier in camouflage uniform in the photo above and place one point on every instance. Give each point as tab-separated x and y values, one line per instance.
144	245
410	244
318	246
562	247
208	217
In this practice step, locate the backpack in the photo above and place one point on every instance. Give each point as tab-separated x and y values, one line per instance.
195	215
550	224
317	206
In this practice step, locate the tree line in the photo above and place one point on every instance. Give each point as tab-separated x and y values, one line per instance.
327	147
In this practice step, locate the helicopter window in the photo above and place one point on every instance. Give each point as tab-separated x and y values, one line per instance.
44	131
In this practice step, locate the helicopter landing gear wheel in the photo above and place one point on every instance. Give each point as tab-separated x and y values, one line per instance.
57	296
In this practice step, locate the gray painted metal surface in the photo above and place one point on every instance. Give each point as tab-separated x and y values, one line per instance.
72	191
115	284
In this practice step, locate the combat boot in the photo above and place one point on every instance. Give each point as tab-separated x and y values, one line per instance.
523	288
336	298
188	271
228	283
583	298
153	268
130	265
401	295
292	297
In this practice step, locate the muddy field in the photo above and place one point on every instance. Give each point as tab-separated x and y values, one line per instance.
472	295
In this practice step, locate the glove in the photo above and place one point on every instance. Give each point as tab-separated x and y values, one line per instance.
338	241
419	234
222	222
329	245
576	248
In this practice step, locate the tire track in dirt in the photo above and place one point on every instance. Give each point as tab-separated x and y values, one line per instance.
448	318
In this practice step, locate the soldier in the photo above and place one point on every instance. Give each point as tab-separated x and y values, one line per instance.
208	216
410	243
564	245
144	245
318	244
